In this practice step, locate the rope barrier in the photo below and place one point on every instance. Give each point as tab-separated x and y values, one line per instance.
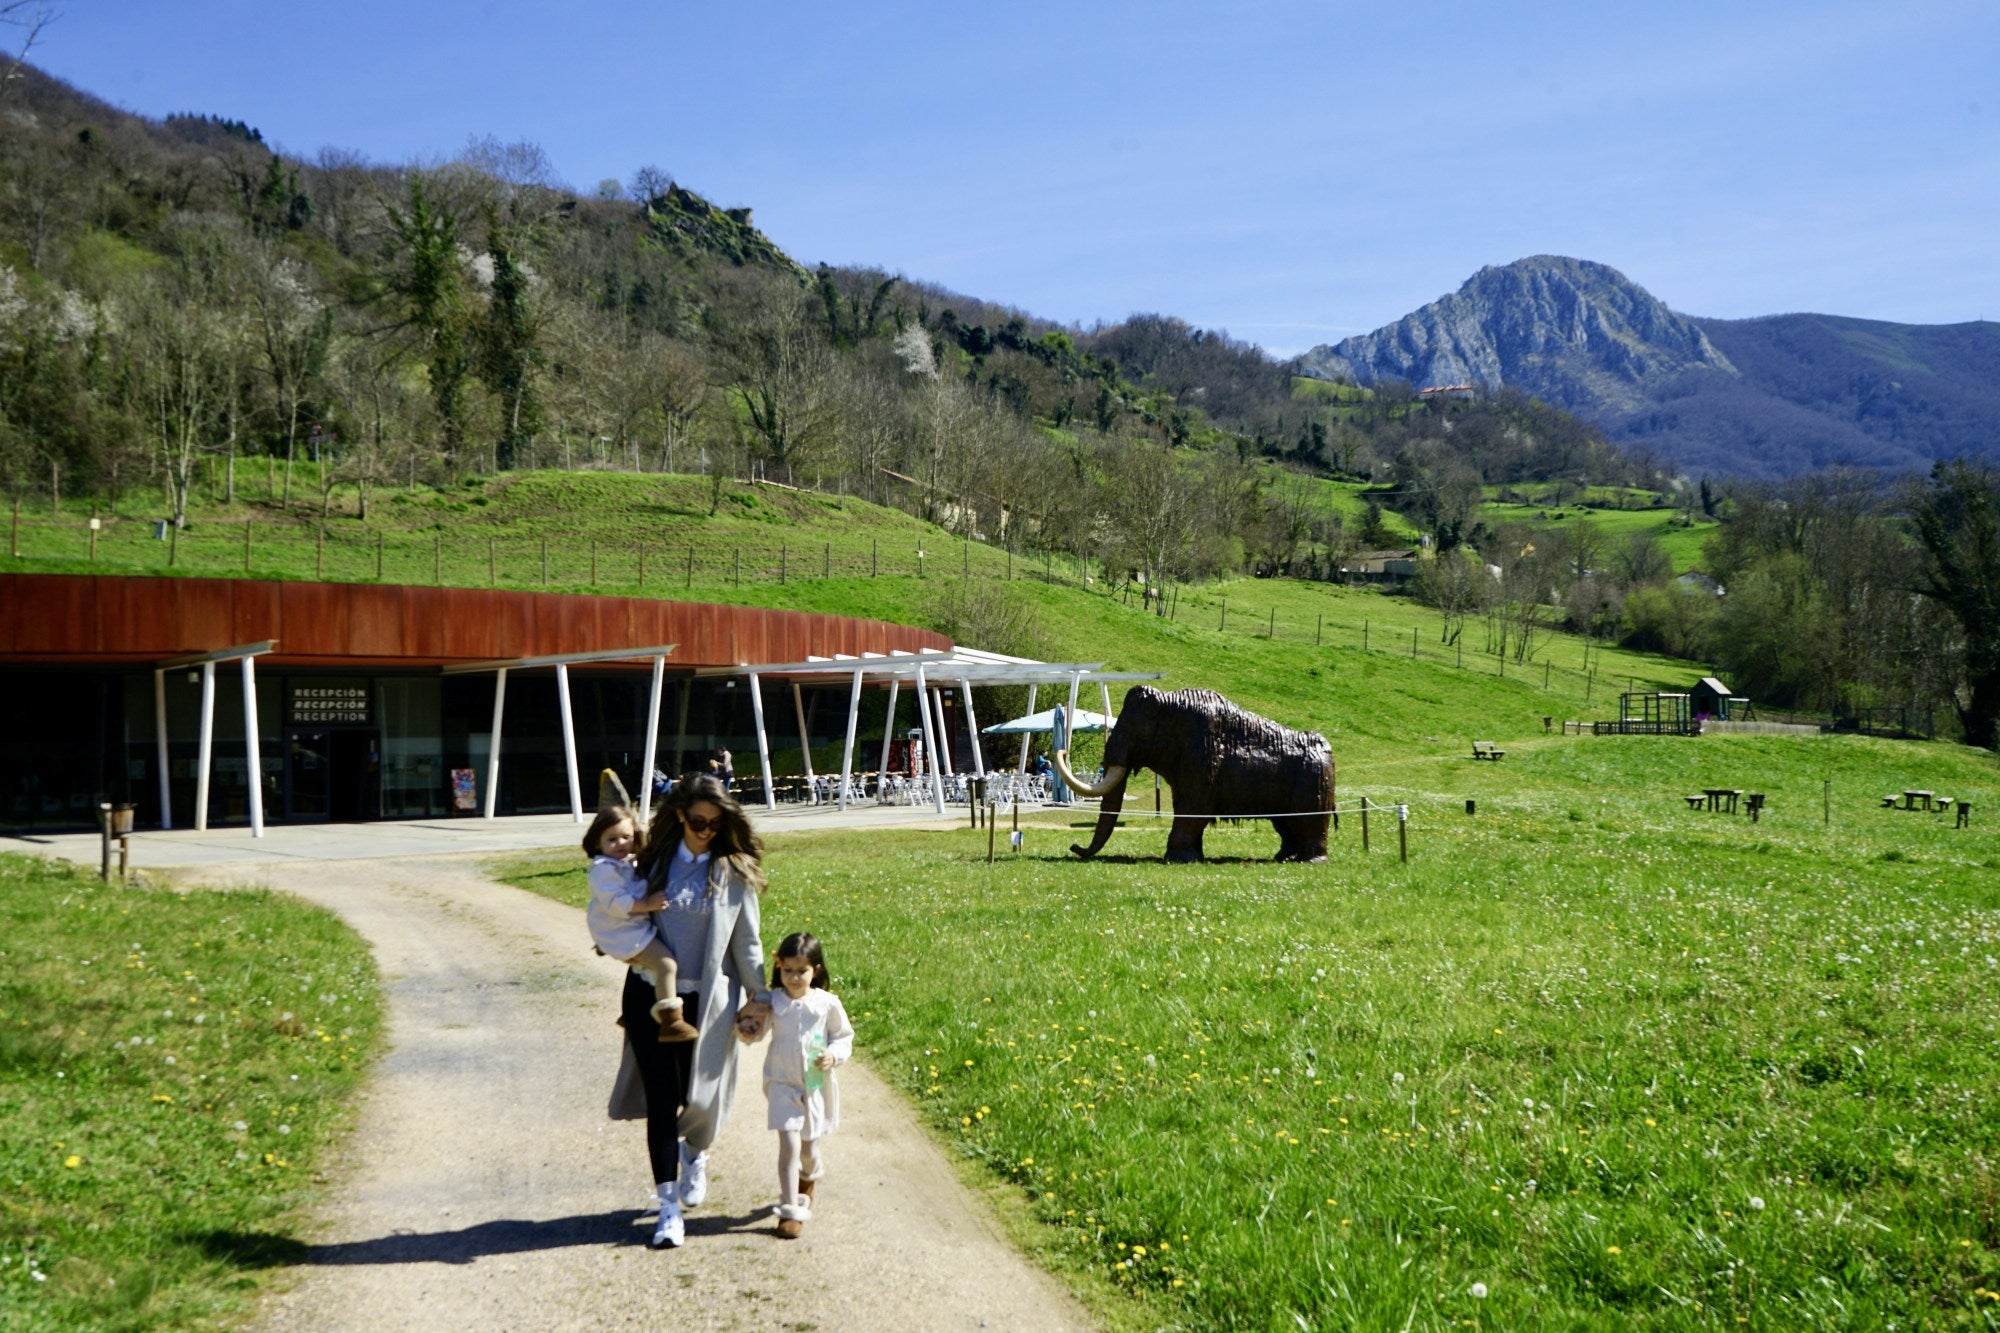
1339	808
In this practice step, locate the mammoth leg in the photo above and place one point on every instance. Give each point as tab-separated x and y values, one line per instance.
1301	837
1184	840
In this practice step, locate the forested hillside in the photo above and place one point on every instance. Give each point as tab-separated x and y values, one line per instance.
176	300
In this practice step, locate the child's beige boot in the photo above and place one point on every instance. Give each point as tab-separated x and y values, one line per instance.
673	1027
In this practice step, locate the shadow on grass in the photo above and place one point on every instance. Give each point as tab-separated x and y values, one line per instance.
504	1236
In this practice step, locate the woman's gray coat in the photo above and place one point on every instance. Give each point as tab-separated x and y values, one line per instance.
733	969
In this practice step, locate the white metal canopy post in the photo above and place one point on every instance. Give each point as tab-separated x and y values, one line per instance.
652	743
847	752
253	746
1024	735
207	746
888	734
936	697
805	742
972	729
569	742
763	742
160	744
493	744
1105	688
930	749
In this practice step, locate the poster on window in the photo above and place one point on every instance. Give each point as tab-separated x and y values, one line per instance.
464	790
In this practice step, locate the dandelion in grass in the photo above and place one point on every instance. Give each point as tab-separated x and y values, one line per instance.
1477	1291
1756	1204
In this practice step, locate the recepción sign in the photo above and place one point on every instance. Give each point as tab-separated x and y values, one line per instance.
316	704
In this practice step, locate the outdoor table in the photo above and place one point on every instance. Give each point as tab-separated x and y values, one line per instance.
1722	798
1910	799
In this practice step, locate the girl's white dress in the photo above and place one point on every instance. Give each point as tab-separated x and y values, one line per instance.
810	1112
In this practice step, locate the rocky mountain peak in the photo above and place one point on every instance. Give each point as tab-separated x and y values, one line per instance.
1570	331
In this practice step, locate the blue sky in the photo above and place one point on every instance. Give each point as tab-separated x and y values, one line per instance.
1292	173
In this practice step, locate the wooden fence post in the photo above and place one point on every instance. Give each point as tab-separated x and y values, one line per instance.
1225	616
826	569
381	539
247	526
545	562
1272	631
319	553
1403	832
1364	823
593	562
437	558
1413	643
739	566
492	565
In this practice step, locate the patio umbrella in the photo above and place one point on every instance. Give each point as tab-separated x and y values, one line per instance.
1046	720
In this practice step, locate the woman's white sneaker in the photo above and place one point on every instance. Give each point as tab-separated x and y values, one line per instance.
694	1177
670	1231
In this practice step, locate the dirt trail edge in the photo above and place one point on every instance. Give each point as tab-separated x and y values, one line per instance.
484	1187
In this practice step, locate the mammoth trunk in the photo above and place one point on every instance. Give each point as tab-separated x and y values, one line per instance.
1107	819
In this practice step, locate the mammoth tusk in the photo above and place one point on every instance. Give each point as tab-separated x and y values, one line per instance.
1113	775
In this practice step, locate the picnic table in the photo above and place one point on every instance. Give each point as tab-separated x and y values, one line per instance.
1910	799
1722	798
1486	750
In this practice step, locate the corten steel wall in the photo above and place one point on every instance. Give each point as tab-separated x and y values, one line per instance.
79	618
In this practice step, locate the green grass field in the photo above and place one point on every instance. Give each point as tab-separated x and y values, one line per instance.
1615	1062
173	1069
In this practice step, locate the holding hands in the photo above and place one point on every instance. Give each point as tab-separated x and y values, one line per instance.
752	1020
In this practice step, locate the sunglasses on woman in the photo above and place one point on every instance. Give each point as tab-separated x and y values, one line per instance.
699	823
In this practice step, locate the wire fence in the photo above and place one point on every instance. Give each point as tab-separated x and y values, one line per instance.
345	552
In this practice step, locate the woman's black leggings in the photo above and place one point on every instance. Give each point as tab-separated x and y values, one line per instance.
665	1068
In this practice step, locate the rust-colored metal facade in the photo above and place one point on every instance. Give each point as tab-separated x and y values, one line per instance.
80	696
64	618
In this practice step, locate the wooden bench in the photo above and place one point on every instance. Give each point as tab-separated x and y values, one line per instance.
1485	750
1889	802
1964	815
1696	801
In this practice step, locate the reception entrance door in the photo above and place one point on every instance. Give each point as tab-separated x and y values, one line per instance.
332	774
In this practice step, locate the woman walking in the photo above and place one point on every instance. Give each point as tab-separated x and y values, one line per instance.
702	856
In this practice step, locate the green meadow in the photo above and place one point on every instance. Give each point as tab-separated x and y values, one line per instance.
1588	1059
173	1071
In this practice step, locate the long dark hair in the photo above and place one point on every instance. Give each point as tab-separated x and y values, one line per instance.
802	944
735	841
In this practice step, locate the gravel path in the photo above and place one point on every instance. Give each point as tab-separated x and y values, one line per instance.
484	1187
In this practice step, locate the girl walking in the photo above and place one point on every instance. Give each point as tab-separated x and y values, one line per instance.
810	1037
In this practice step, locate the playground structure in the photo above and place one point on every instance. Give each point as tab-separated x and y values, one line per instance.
1649	714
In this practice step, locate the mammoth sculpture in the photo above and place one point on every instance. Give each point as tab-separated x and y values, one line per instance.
1221	763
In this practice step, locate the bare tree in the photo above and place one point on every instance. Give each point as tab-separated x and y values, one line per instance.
26	21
